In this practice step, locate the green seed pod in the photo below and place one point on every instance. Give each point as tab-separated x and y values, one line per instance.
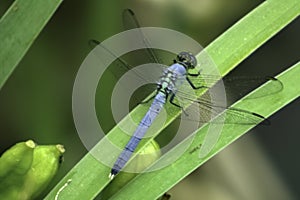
46	161
14	166
27	169
148	155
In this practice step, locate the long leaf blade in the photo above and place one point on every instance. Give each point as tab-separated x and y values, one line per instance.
19	27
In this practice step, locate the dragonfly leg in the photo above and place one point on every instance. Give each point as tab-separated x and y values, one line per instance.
177	105
194	74
193	86
198	73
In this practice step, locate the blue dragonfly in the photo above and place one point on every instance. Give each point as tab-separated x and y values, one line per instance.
168	88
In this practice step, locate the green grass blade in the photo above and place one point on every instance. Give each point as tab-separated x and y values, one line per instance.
189	161
89	176
251	32
19	27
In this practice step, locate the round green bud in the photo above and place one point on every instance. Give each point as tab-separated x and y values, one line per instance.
46	161
146	156
26	169
14	165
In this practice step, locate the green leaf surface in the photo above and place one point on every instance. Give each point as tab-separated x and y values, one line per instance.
89	176
19	27
190	160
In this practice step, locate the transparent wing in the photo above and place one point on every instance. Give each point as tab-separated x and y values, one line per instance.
209	110
204	108
207	107
122	66
210	106
240	85
130	22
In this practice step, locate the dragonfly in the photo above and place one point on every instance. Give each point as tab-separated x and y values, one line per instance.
168	89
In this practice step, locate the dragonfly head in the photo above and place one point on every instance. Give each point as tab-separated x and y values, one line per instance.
188	59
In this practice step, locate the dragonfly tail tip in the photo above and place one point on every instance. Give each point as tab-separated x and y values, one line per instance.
111	176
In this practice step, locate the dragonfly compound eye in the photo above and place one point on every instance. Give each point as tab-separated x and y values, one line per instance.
187	58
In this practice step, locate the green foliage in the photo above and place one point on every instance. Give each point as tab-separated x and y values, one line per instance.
26	169
19	27
90	176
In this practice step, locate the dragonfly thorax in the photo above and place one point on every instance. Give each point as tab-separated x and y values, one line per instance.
169	79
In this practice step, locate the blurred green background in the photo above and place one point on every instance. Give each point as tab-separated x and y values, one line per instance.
36	101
